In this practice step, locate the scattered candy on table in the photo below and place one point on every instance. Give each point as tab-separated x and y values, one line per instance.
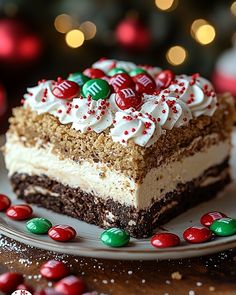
197	234
5	202
164	240
70	285
66	89
38	225
208	218
62	233
19	212
224	227
96	89
9	281
54	270
115	237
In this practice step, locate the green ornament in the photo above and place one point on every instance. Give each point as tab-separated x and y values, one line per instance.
115	237
137	71
78	78
115	71
96	88
224	227
38	225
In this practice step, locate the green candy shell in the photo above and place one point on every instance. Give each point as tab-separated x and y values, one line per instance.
224	227
137	71
115	237
38	225
115	71
78	78
96	88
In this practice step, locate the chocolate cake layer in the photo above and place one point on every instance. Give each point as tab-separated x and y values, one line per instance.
105	213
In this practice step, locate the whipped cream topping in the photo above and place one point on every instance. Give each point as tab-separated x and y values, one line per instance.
139	127
185	98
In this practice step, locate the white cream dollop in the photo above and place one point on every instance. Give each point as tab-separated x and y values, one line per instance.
90	115
168	113
195	91
139	127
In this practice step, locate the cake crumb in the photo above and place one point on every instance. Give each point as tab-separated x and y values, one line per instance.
212	289
176	276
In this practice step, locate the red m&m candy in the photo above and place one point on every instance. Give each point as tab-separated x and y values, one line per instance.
164	78
197	234
121	81
70	286
66	89
208	218
54	270
94	73
144	83
25	287
62	233
164	240
19	212
5	202
9	281
127	98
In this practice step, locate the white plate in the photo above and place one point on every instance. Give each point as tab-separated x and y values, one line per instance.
88	243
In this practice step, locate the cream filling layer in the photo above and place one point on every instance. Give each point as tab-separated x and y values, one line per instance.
103	182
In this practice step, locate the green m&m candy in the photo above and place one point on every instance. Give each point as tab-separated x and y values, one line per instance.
96	88
224	227
137	71
38	225
115	71
78	78
115	237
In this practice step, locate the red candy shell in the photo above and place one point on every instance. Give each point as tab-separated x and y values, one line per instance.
62	233
197	234
121	81
5	202
164	240
144	83
19	212
66	90
25	287
128	98
70	286
208	218
54	270
9	281
47	291
94	73
164	79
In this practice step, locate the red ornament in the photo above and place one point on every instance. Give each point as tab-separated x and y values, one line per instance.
121	81
70	286
144	83
164	240
94	73
208	218
127	98
62	233
5	202
19	212
133	35
66	90
18	45
9	281
54	270
197	234
25	287
164	79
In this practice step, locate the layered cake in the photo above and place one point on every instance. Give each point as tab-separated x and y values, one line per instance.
121	145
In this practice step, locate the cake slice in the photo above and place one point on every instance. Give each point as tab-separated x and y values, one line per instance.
121	145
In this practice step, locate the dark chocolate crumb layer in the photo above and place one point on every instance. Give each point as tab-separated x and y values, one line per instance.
94	210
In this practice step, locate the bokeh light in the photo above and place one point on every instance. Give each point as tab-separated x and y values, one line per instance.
196	25
89	29
63	23
233	8
74	38
205	34
176	55
166	4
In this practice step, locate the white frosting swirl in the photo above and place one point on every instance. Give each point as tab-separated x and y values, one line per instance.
196	91
90	115
168	113
139	127
104	64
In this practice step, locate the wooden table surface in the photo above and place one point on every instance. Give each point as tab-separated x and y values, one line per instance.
214	275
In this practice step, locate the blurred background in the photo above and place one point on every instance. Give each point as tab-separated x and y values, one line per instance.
45	39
